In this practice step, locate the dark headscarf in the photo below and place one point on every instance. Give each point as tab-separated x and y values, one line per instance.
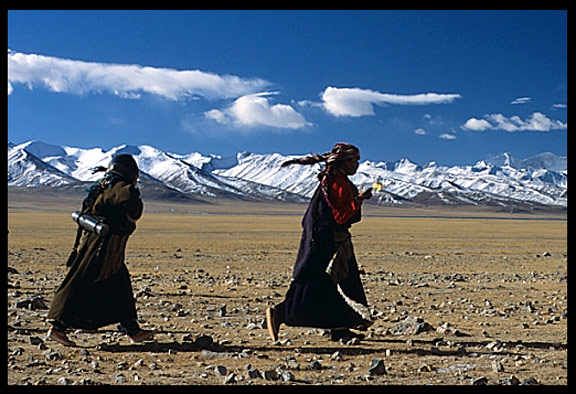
125	166
340	151
121	167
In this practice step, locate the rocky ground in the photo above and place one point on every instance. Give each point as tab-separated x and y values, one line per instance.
450	308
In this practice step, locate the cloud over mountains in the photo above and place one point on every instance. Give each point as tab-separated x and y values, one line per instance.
360	102
124	80
251	105
256	110
536	122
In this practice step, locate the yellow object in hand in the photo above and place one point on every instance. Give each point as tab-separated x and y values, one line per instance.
377	186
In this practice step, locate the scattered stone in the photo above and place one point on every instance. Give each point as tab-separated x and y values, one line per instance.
270	375
336	356
188	338
287	376
314	365
53	355
211	354
447	328
119	378
377	367
292	363
482	380
64	381
220	370
493	345
497	366
204	341
229	379
411	326
456	278
253	373
509	381
189	342
530	381
17	352
144	293
529	307
34	304
221	312
458	369
86	382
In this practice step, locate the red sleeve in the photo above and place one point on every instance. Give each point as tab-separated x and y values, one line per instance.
341	194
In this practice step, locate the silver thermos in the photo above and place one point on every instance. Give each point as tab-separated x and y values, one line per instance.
89	223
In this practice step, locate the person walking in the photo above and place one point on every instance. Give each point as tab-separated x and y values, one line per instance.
96	290
325	290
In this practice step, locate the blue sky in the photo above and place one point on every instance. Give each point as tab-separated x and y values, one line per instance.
453	87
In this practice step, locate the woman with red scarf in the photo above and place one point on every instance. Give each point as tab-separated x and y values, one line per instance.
325	290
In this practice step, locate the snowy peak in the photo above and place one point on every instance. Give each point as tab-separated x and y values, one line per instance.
27	170
502	180
178	174
41	149
543	161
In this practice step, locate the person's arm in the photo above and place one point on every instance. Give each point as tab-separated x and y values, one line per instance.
344	200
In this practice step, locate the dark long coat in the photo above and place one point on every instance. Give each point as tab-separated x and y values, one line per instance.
313	300
96	290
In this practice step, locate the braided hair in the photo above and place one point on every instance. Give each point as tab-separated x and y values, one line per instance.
339	152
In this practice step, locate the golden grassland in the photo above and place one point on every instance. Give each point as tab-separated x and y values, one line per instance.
476	270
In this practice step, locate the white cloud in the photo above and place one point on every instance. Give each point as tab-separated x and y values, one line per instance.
126	81
447	136
256	110
307	103
535	122
521	100
360	102
420	131
477	124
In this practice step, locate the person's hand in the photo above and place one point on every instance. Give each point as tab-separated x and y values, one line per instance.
365	194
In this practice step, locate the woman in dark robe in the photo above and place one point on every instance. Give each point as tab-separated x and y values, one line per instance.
96	290
325	290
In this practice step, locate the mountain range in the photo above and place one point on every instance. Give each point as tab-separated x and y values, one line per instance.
537	182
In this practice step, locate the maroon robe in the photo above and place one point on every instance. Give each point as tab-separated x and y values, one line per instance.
313	299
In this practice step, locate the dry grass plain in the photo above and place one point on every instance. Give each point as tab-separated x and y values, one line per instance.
497	281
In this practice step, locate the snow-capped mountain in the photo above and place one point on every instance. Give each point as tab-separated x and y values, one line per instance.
27	169
404	181
503	180
176	173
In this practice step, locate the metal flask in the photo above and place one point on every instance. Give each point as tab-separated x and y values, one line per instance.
89	223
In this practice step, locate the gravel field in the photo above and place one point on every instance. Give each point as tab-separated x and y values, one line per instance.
459	298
